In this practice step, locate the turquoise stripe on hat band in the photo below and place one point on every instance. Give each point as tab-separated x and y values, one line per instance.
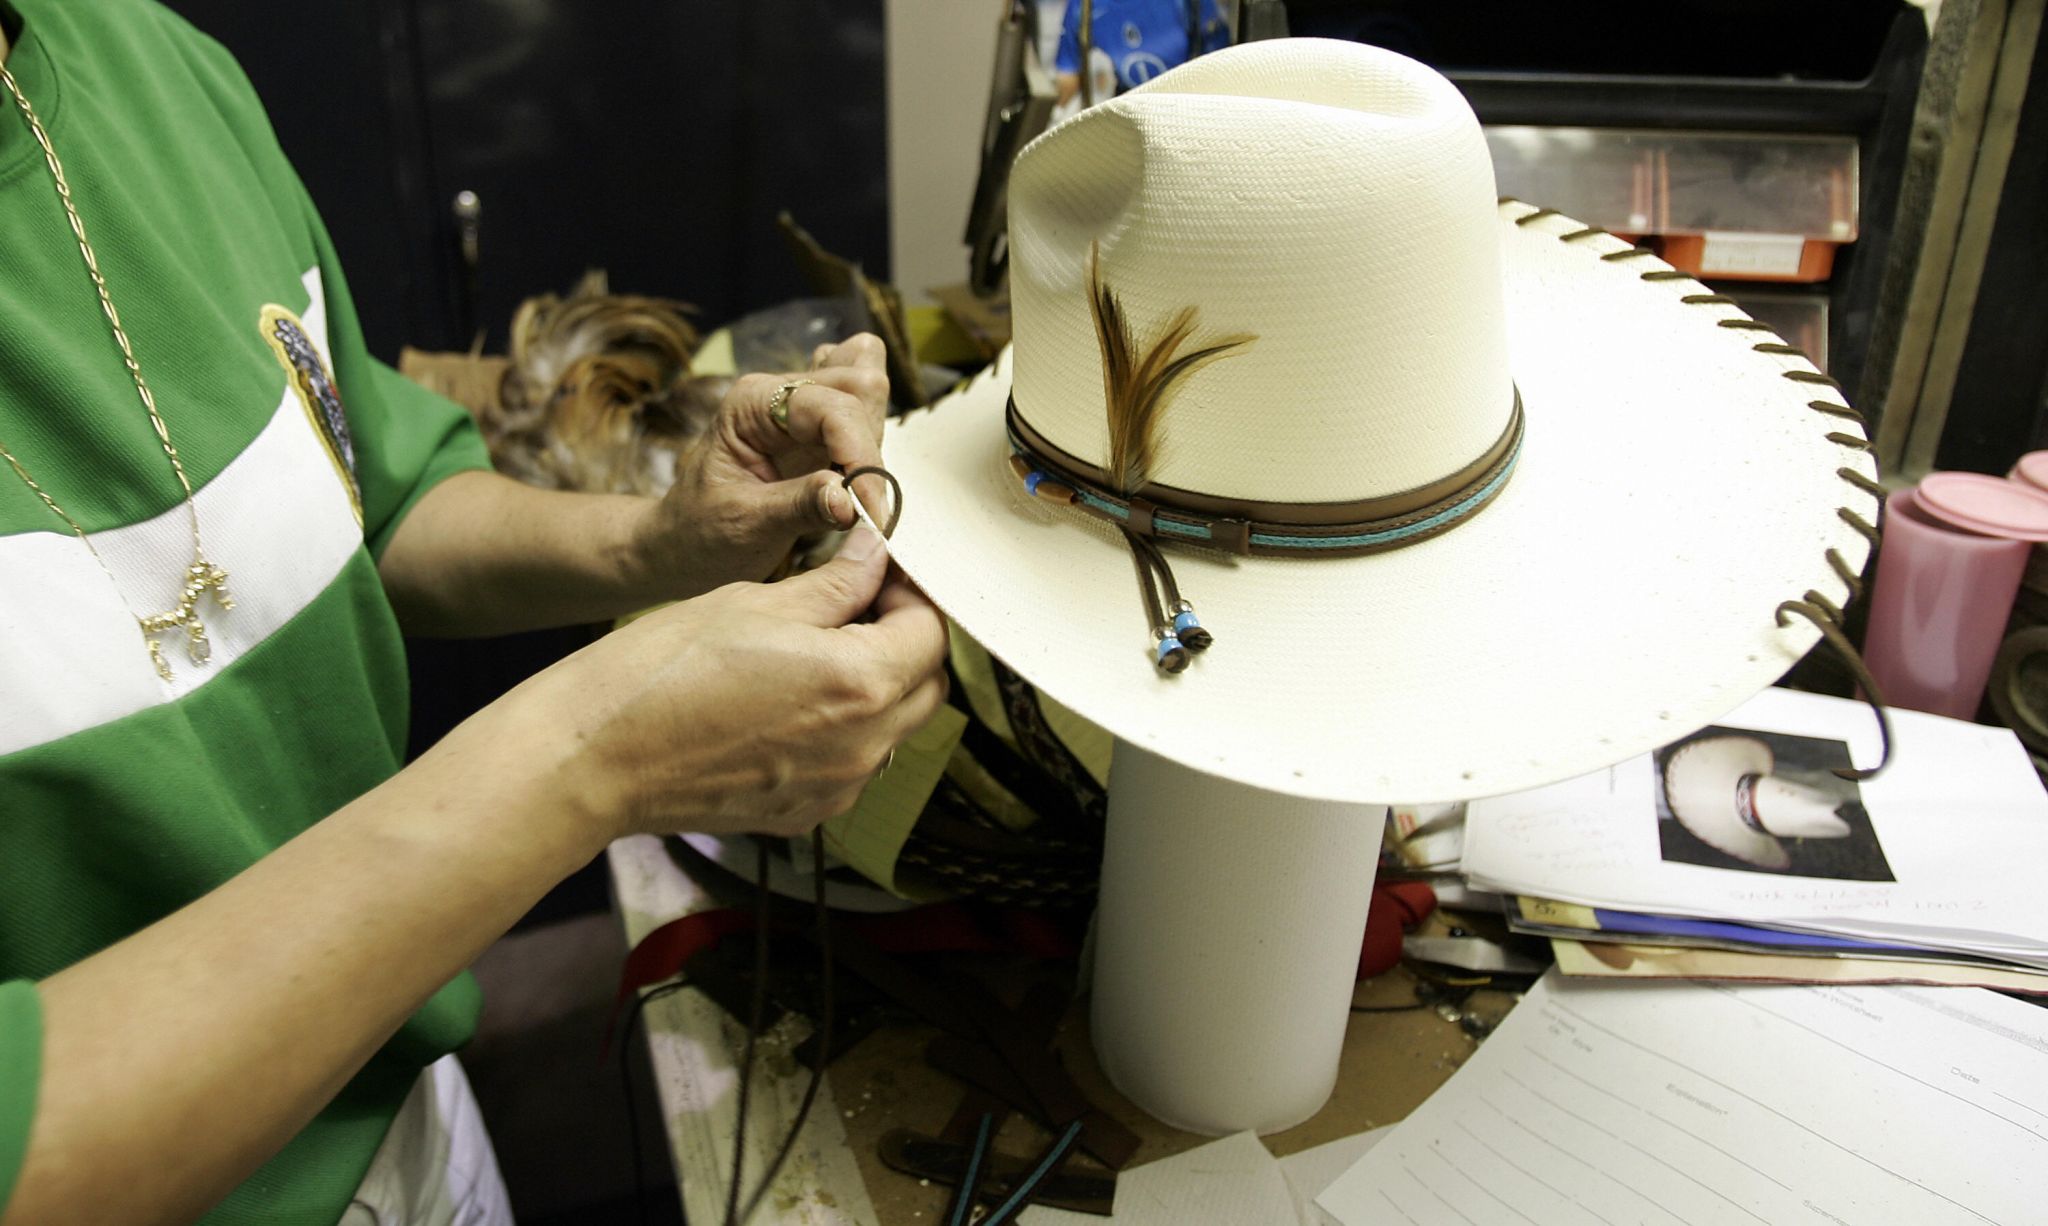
1164	526
1179	635
1272	533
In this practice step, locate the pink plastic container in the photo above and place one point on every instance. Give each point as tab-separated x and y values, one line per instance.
2032	469
1938	610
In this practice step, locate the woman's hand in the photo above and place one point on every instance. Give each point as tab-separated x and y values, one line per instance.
753	708
757	482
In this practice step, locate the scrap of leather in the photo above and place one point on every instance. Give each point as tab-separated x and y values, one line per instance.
1102	1138
945	1161
1023	1041
967	1013
974	1104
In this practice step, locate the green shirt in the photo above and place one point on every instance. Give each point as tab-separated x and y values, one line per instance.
124	796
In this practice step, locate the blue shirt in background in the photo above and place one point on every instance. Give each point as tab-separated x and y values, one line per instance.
1143	38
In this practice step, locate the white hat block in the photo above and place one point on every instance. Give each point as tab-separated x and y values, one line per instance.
1796	810
1226	944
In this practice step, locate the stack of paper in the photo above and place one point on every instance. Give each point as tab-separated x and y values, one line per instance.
1231	1182
1602	1103
1936	863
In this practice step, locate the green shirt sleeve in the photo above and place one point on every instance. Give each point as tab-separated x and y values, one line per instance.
407	439
21	1058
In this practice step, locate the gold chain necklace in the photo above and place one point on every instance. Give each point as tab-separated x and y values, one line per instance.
201	577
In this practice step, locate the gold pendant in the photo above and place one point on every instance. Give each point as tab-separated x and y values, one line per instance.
201	578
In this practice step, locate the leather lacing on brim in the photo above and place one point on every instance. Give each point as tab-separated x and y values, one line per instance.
888	528
1813	606
1824	614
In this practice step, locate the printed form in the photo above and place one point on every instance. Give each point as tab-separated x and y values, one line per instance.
1700	1105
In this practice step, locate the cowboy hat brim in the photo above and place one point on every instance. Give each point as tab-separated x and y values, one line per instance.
1674	488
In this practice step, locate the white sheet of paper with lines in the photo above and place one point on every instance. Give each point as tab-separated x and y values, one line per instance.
1700	1105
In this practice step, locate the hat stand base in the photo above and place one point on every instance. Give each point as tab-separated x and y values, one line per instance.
1226	945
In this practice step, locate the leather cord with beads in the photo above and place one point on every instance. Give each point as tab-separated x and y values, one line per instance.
1824	614
1160	514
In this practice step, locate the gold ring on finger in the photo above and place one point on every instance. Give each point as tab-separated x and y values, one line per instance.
778	404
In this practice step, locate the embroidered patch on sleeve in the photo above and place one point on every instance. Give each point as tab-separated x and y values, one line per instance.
306	370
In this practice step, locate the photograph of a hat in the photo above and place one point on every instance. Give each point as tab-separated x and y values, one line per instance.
1465	496
1722	789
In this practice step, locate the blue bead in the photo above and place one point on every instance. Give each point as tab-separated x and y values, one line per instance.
1031	480
1185	622
1167	646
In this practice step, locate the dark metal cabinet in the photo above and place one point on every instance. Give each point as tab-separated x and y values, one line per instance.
1839	67
2000	405
654	138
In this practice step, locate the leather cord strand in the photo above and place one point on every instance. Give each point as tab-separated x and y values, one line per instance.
827	998
895	493
1154	616
1154	575
1862	525
1850	579
1831	632
756	1014
1824	614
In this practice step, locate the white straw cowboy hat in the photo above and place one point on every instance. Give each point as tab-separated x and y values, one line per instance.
1471	496
1723	790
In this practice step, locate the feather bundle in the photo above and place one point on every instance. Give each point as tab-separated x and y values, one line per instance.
1137	385
599	395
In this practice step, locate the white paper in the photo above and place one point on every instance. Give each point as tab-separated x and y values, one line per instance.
1226	942
1704	1105
1312	1170
1960	817
1231	1182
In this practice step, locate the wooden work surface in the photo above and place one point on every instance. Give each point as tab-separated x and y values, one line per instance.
1391	1062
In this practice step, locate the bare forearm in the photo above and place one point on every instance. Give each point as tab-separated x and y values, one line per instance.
483	554
179	1060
